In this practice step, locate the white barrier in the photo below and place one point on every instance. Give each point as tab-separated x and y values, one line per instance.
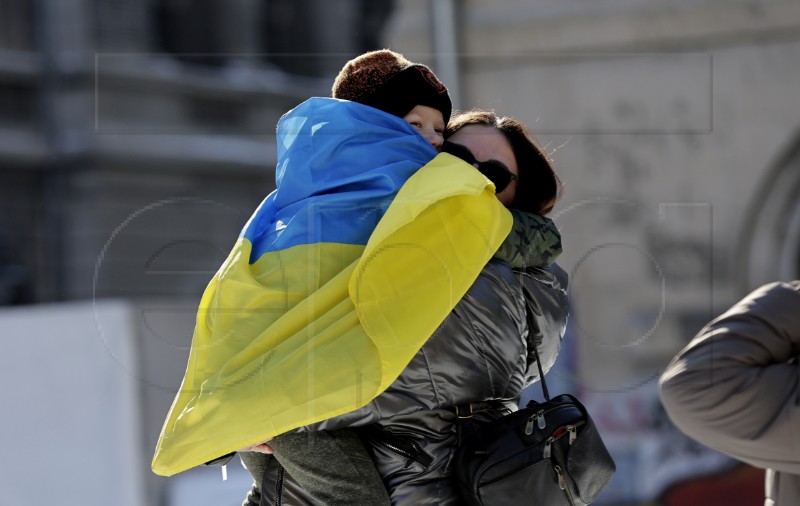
70	429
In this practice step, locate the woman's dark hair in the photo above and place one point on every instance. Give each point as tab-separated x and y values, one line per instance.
538	185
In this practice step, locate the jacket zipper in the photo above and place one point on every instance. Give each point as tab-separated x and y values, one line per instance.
410	457
279	487
539	418
572	430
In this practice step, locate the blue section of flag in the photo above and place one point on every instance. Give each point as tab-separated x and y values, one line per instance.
340	164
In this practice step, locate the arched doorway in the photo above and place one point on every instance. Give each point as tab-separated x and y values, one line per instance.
770	242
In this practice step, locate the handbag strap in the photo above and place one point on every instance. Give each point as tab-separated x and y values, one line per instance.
541	373
531	326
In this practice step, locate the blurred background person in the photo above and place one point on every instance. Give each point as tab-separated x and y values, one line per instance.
736	386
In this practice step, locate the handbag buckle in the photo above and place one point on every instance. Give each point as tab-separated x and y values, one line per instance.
460	411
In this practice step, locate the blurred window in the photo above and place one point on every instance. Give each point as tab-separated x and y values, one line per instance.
189	29
18	105
314	37
16	25
120	25
20	239
306	37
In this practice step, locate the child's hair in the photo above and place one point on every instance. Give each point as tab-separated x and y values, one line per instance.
538	185
388	81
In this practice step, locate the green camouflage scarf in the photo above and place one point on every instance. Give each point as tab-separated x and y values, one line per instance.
534	241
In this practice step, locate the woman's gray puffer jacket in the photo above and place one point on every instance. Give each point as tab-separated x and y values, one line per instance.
482	353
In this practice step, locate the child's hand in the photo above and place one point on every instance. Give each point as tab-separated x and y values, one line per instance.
261	447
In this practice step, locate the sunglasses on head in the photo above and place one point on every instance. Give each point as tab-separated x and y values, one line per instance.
496	172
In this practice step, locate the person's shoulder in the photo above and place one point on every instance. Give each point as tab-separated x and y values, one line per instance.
499	269
774	300
770	295
559	274
792	287
551	276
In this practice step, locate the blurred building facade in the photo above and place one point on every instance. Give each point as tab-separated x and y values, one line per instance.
136	137
108	106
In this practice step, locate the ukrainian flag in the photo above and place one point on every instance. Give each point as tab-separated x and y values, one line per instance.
335	282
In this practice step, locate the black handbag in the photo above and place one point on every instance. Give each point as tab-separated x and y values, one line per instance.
546	454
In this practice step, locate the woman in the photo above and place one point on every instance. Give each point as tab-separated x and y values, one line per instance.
481	357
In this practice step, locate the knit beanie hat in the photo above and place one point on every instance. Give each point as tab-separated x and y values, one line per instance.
388	81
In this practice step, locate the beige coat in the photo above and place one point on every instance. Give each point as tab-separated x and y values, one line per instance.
736	387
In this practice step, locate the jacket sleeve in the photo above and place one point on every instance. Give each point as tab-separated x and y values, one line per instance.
736	386
545	291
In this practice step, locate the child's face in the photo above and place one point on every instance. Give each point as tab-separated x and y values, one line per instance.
429	122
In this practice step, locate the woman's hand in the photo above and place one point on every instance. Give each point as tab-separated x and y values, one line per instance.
261	447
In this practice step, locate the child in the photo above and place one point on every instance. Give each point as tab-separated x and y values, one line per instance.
334	467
